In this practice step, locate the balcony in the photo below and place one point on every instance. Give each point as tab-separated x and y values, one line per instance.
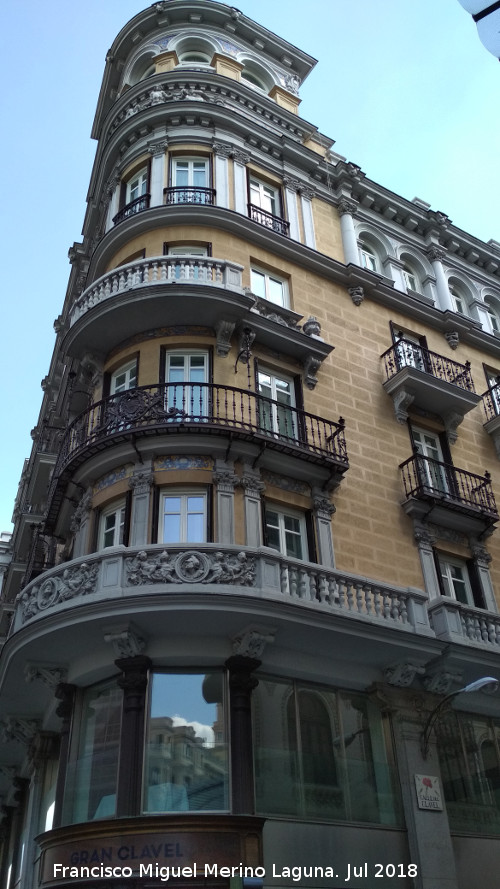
491	407
211	568
180	194
418	377
275	223
137	206
447	496
455	622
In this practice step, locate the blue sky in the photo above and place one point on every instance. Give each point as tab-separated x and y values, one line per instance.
404	87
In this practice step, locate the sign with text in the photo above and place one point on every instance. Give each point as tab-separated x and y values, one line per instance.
428	793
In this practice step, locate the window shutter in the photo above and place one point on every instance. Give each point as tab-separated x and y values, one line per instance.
156	510
475	582
163	361
442	591
126	522
106	384
123	194
210	513
265	540
94	539
311	537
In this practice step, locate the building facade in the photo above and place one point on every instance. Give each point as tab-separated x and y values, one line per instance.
262	483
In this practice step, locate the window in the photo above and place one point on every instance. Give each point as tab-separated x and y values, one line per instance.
322	754
410	350
455	579
197	58
137	186
459	300
112	525
469	756
190	180
276	409
493	315
190	268
431	469
183	517
493	380
124	378
190	772
368	258
91	782
286	532
264	196
268	286
134	195
186	375
410	278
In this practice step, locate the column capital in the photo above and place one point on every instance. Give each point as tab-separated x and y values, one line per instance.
347	205
436	253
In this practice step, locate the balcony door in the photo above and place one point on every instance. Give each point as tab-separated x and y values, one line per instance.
137	186
432	472
493	380
190	180
276	408
124	378
185	373
187	268
264	196
410	351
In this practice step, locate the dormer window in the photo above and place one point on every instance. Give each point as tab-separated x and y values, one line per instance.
194	58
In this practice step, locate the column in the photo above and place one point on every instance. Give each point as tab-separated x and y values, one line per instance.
65	693
323	511
140	485
253	488
134	682
43	748
79	525
306	196
222	153
240	182
425	543
225	480
291	187
347	211
241	685
157	152
113	190
436	255
429	838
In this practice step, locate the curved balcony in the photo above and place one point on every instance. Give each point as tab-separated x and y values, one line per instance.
136	206
263	217
123	572
448	496
417	377
182	194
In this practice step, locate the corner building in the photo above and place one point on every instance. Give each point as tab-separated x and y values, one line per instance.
254	541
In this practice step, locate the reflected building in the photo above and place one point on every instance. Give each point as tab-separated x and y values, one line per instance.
254	541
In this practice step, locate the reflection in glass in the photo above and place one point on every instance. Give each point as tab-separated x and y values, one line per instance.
186	754
322	754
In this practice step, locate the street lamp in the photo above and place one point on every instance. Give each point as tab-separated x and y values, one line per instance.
487	682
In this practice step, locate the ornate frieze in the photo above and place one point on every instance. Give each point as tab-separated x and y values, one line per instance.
79	580
180	461
190	567
111	478
285	483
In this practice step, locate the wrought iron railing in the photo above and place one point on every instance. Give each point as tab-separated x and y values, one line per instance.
426	478
276	223
156	271
491	402
140	203
404	353
205	408
183	194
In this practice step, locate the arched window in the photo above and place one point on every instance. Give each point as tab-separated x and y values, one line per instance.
411	278
194	58
255	76
459	298
493	314
369	259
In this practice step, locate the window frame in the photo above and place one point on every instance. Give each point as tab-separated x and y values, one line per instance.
283	511
190	159
269	277
262	184
183	493
366	251
120	527
124	369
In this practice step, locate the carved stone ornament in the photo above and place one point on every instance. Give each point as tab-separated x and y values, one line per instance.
423	537
252	485
402	674
91	369
50	676
452	338
292	83
347	205
18	729
222	149
141	481
481	554
224	331
190	567
126	642
311	367
436	253
157	149
312	327
240	157
79	580
323	508
252	641
441	681
226	480
81	512
357	295
291	183
279	316
402	400
307	192
452	421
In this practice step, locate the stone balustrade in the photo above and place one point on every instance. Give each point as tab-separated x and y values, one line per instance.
121	572
455	622
157	271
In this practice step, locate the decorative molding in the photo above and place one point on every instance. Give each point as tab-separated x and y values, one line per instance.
481	554
16	728
156	149
190	567
357	295
277	314
291	183
240	157
252	484
402	400
81	512
50	676
285	483
312	327
424	537
140	482
440	682
322	506
226	480
436	253
452	421
79	580
126	641
116	475
453	338
222	149
252	641
183	461
307	192
403	674
347	205
224	331
311	367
